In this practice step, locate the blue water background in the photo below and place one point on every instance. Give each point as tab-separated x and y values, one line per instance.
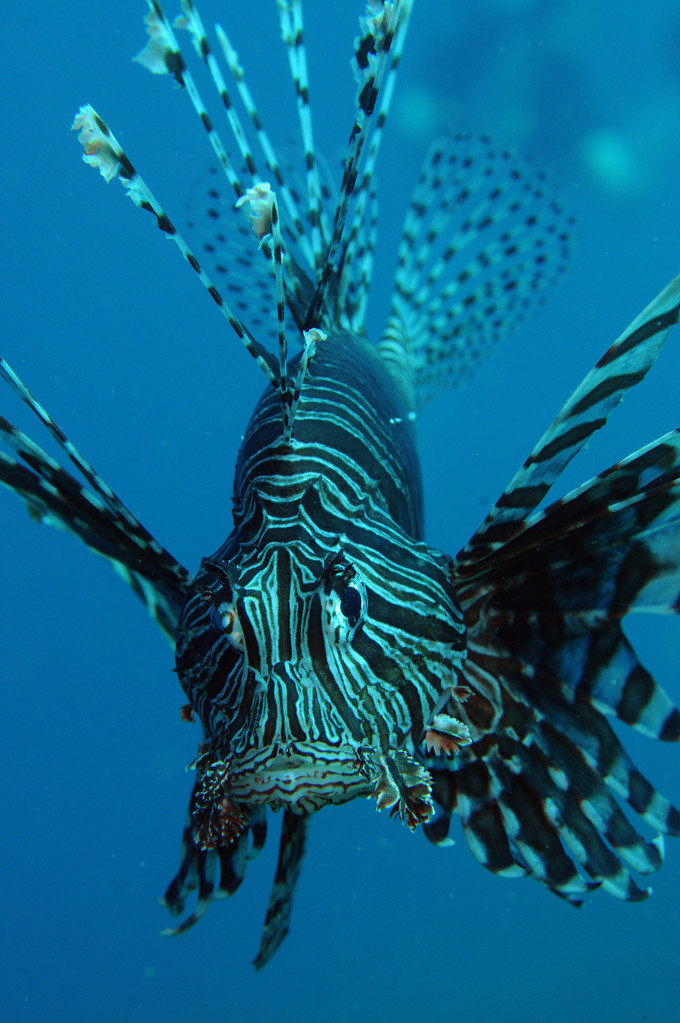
108	327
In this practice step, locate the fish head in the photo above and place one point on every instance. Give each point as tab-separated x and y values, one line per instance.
319	666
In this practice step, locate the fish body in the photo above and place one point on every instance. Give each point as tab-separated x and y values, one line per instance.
327	651
279	640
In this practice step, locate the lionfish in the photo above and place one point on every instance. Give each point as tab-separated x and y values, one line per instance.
327	651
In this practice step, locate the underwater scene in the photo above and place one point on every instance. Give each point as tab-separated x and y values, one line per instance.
125	350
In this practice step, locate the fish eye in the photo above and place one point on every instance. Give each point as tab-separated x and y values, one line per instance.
351	605
344	599
225	619
220	589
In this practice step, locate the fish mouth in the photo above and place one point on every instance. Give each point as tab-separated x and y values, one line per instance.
299	776
302	777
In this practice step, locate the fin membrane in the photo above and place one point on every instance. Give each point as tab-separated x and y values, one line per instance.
484	236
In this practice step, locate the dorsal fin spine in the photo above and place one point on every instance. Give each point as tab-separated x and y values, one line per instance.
310	339
292	33
373	54
163	55
267	227
191	21
356	291
271	160
103	151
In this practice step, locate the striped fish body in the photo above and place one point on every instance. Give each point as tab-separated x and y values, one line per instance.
327	651
320	639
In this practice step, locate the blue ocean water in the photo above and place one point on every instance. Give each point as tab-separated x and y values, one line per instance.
109	329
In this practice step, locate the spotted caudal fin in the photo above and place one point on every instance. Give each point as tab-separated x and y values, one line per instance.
544	593
484	236
91	511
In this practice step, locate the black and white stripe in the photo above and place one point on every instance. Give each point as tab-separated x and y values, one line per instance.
327	651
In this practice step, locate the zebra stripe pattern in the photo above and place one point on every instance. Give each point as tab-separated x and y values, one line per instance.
326	650
298	592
